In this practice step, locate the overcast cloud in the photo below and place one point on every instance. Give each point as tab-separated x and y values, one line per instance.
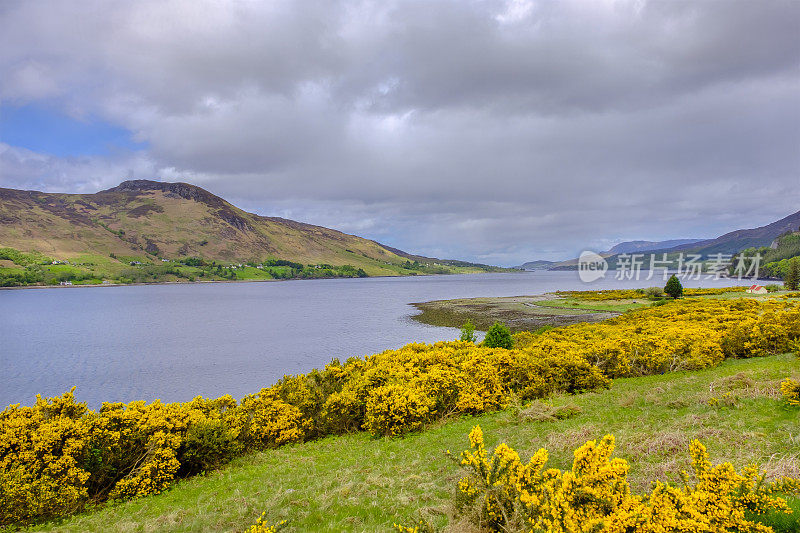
492	131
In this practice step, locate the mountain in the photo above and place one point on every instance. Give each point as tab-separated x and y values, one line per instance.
143	221
738	240
729	243
539	264
629	247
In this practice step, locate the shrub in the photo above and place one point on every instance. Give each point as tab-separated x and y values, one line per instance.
790	390
265	421
501	493
484	390
394	409
468	332
673	288
208	444
792	278
654	292
262	526
41	451
498	336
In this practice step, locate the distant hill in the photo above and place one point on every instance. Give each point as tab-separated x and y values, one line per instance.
738	240
536	265
729	243
151	221
646	246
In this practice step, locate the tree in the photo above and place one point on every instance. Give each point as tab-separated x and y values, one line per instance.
498	336
673	287
468	332
792	278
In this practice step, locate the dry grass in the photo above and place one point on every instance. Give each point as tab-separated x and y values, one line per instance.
538	411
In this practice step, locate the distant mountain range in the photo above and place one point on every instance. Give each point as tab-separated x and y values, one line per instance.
738	240
729	243
149	221
629	247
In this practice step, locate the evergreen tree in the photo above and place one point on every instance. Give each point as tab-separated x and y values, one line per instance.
673	287
498	336
468	332
792	278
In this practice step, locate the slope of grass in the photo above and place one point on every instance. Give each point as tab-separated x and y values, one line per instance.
357	483
152	220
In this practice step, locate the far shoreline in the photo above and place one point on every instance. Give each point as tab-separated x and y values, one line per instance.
94	285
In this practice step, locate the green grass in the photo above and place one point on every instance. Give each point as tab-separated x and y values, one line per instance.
521	313
615	306
358	483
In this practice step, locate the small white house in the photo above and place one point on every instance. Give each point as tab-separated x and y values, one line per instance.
756	289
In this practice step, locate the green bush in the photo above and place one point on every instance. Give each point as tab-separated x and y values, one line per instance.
654	292
468	332
208	444
499	336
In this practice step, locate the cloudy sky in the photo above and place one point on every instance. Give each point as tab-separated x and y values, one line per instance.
492	131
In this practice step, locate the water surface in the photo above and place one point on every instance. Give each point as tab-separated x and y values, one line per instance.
174	342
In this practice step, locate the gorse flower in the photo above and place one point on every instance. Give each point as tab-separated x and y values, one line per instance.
501	493
790	390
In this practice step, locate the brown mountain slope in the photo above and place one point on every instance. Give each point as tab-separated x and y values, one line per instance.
148	219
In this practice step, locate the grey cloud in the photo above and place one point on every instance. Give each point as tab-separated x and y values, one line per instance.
499	131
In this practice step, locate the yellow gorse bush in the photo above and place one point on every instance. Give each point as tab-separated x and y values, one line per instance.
502	493
261	526
790	390
57	455
628	294
682	335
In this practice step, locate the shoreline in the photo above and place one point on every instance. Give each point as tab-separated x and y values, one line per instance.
93	285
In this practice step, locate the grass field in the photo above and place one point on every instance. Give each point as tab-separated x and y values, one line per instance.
358	483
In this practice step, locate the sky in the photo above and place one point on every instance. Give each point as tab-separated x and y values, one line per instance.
498	132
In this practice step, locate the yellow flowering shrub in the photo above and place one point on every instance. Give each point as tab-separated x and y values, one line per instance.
790	390
265	421
502	493
261	526
484	389
41	454
683	335
156	470
394	409
628	294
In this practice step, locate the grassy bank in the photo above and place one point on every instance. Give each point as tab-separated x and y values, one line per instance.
19	269
520	313
358	483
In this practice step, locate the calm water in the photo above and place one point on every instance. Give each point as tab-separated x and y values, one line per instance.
174	342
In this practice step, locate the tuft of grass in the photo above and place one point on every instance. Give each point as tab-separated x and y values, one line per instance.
538	411
358	483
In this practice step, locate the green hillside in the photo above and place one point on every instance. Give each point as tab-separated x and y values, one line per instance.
145	230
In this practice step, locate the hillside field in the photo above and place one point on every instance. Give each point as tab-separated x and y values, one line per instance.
359	483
